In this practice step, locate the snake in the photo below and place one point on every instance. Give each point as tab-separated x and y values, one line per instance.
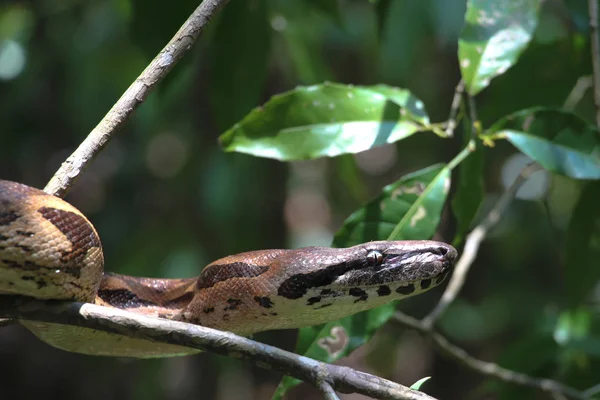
49	250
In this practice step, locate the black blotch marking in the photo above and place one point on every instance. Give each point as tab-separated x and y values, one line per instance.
313	300
406	289
297	285
208	310
323	306
24	233
273	314
123	298
8	217
384	290
263	301
425	283
325	292
76	229
216	273
3	238
358	292
23	247
31	266
233	304
178	301
38	281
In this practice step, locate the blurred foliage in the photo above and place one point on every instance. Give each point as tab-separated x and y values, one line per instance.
166	199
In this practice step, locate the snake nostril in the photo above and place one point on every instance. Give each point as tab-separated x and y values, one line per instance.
442	251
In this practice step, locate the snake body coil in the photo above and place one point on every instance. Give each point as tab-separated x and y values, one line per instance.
49	250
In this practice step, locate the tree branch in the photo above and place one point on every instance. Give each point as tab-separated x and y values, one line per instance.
135	95
488	368
576	94
451	123
322	375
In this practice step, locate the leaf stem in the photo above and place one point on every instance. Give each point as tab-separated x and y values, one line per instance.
471	146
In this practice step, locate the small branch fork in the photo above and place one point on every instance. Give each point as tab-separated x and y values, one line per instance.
328	378
135	95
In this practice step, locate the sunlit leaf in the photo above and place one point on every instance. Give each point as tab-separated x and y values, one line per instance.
493	37
327	120
559	141
409	208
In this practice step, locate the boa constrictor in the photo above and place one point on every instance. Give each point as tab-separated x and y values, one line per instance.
49	250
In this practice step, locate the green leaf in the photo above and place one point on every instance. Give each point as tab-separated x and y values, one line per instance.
582	269
336	339
559	141
407	209
417	385
493	37
410	208
469	191
327	120
239	54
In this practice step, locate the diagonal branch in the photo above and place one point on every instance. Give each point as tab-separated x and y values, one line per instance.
472	243
488	368
325	376
135	95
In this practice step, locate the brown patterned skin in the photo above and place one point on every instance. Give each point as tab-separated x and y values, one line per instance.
49	250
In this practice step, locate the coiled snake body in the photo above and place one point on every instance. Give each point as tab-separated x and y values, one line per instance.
49	250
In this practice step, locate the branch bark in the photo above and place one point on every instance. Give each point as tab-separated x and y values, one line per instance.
325	376
135	95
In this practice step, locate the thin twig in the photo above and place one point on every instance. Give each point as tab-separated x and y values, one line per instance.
472	243
342	379
594	390
473	116
488	368
135	95
595	47
451	123
576	94
328	392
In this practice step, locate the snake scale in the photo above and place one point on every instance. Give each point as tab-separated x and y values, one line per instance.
49	250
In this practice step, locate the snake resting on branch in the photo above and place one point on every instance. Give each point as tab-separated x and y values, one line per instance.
49	250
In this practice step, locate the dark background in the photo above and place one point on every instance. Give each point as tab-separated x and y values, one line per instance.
166	200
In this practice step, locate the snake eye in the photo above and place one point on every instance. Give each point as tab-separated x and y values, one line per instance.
374	257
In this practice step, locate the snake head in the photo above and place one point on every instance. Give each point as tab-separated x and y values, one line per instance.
384	265
399	262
